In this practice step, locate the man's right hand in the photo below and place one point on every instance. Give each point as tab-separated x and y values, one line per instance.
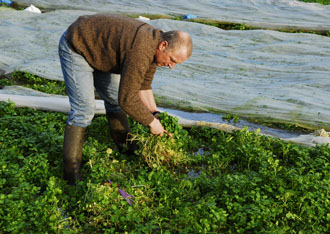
156	127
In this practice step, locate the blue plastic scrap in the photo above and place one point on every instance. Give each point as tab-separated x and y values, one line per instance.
189	16
8	2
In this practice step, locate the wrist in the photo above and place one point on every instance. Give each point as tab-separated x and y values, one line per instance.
154	113
152	122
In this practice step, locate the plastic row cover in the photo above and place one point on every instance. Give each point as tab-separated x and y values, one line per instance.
258	73
265	12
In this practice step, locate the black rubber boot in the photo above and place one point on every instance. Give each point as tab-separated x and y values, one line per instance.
72	152
120	131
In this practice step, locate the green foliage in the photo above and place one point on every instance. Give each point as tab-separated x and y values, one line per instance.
223	25
13	5
4	5
236	183
230	117
163	151
34	82
324	2
30	147
4	82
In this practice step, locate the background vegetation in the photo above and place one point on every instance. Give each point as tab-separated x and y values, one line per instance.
325	2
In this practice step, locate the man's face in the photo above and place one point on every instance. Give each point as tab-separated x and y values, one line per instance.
168	58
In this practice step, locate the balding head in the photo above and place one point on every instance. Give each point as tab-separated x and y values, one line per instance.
175	47
178	41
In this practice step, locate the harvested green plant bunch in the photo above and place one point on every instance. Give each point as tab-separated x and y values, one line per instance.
170	152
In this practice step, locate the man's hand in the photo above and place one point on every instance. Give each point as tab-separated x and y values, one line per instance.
156	128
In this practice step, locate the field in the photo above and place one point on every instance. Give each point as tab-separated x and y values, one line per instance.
200	181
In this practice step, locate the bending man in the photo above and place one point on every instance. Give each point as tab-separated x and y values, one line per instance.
92	51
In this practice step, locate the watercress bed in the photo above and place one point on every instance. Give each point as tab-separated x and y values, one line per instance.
237	183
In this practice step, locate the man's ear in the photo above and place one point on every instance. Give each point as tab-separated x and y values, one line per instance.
162	45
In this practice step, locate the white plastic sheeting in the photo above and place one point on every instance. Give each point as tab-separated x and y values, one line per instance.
253	12
29	41
33	9
253	73
24	97
257	73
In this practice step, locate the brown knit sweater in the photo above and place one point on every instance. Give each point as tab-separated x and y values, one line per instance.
121	45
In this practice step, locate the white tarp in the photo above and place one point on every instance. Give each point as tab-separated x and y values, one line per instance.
24	97
265	12
258	73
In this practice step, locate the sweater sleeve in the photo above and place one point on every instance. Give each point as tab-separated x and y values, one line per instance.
149	76
133	78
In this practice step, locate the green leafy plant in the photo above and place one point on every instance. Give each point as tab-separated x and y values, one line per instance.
325	2
227	183
230	117
163	151
29	80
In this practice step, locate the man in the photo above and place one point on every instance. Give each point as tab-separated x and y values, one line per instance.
92	51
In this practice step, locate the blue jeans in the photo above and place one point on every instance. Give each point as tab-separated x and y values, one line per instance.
80	79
